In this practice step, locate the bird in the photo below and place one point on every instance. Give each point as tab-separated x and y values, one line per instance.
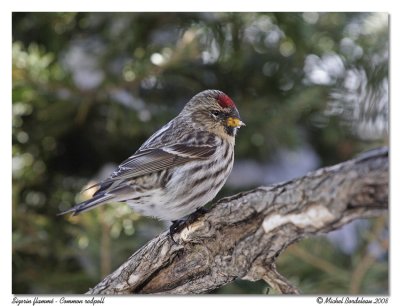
180	168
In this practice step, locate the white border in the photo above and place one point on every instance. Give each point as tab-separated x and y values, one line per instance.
205	5
180	5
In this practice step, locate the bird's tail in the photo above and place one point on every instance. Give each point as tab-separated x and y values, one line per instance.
87	205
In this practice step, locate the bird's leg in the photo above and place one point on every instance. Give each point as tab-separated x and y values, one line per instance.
178	225
175	227
199	212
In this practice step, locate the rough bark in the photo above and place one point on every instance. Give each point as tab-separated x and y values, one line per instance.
241	236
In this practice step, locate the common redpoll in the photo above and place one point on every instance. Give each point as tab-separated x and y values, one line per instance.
181	167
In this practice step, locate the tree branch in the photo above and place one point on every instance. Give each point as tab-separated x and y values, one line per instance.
242	236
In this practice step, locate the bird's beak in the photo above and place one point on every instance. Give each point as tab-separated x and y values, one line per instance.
234	122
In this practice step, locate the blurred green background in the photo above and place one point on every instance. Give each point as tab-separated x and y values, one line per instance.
89	88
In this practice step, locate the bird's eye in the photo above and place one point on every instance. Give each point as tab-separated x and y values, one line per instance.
215	113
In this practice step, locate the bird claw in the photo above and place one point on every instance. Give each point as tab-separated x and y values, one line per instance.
176	226
179	225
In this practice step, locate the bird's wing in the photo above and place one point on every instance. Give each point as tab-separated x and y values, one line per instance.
141	163
154	160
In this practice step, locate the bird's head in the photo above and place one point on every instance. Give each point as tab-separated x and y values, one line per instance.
214	111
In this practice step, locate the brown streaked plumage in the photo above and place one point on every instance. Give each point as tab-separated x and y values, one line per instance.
181	167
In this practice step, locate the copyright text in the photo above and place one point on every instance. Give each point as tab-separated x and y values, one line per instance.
351	300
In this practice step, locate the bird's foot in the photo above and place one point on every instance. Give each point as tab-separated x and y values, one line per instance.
199	212
179	225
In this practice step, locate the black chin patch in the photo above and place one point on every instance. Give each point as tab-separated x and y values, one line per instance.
230	130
